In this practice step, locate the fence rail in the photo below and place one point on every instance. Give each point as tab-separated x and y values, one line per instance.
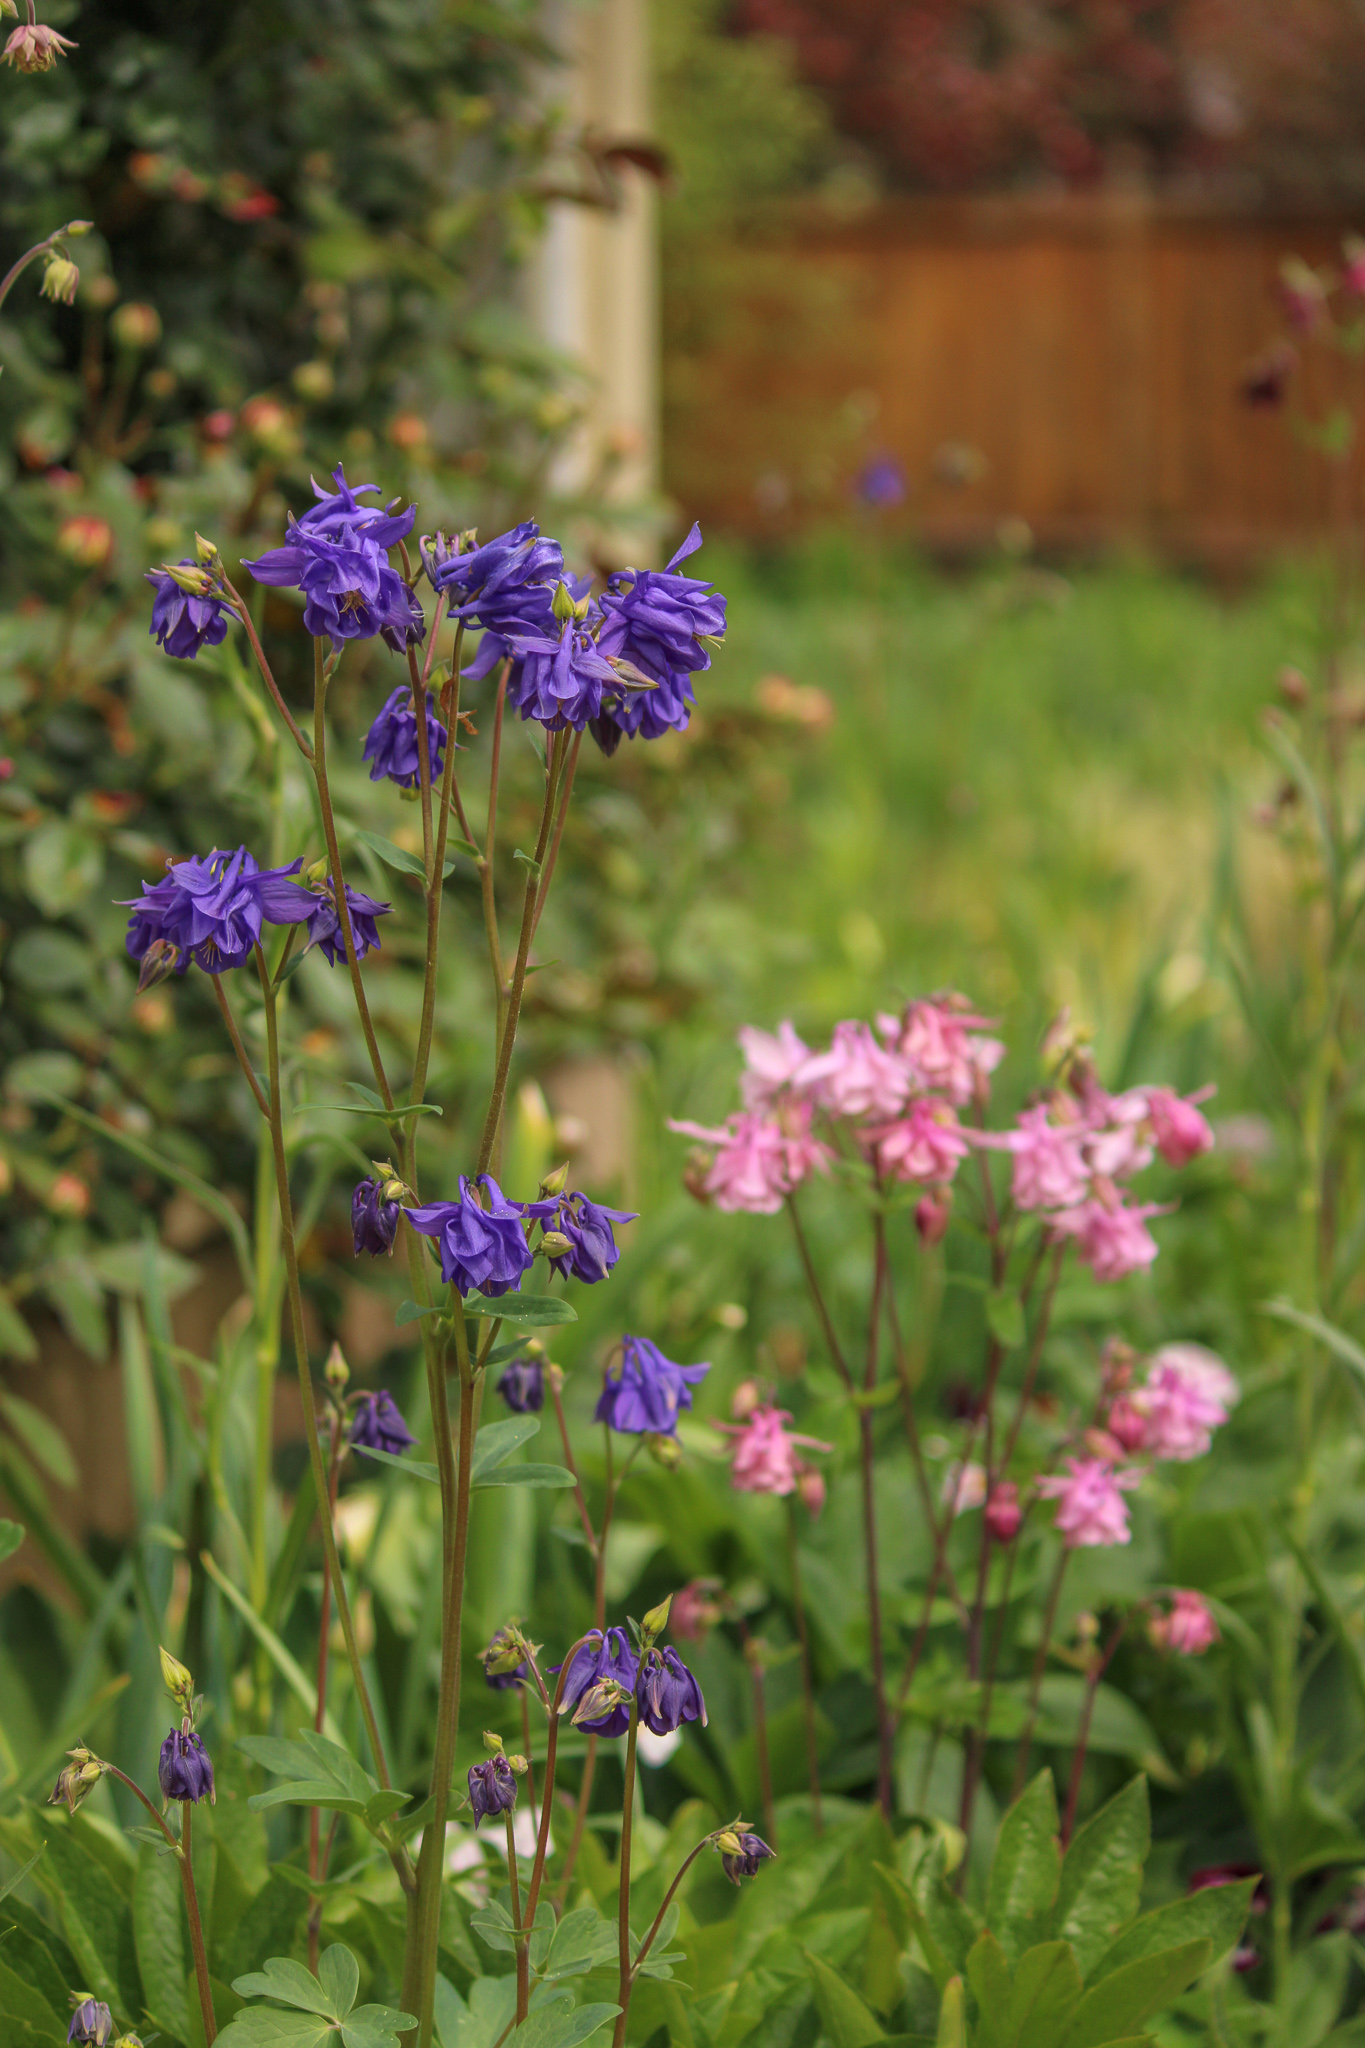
1088	350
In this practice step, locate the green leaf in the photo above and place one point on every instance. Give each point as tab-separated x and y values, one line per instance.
1217	1914
461	846
1005	1317
1101	1882
291	1984
62	865
141	1416
269	1641
416	1468
161	1959
381	1805
264	2026
393	856
988	1973
269	1924
847	2021
123	1269
411	1312
339	1976
42	1439
95	1918
51	963
13	1882
535	1310
526	1475
1027	1866
375	2026
948	1920
496	1442
11	1536
24	2004
386	1116
952	2017
561	2026
16	1338
1124	1998
1046	1992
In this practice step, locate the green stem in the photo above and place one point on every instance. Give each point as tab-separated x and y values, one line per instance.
17	269
435	892
623	1901
807	1676
563	812
244	614
343	908
1092	1686
518	1935
817	1295
486	883
493	1120
324	1632
310	1417
220	996
647	1944
1036	1677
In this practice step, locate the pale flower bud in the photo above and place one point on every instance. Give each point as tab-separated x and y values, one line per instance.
656	1621
336	1372
554	1244
556	1182
178	1682
194	582
664	1450
60	278
492	1743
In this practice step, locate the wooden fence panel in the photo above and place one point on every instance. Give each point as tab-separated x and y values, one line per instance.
1088	349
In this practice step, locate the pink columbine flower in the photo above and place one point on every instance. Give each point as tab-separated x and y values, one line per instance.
1112	1240
856	1077
940	1038
1126	1426
1120	1145
1188	1394
763	1452
964	1486
1189	1629
1091	1511
925	1144
1181	1132
771	1059
1050	1170
1003	1512
759	1159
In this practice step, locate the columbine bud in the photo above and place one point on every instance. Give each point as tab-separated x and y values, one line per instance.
492	1742
8	7
933	1213
1003	1512
194	582
317	877
810	1489
36	47
505	1651
160	960
516	1762
747	1396
729	1843
178	1682
556	1182
78	1778
562	604
554	1244
336	1372
664	1450
92	2022
205	550
656	1621
184	1769
744	1861
492	1788
136	326
600	1700
60	278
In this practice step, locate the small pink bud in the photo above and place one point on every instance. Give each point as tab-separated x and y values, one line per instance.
932	1215
1126	1426
1293	686
747	1396
1003	1512
810	1490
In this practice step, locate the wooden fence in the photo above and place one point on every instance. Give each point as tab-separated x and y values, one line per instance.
1071	362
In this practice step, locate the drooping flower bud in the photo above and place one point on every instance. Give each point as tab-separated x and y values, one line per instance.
933	1213
1189	1629
61	278
555	1244
1003	1512
664	1450
810	1489
743	1860
178	1682
522	1385
556	1182
492	1788
36	47
184	1770
161	959
492	1742
667	1692
195	582
747	1396
607	1698
336	1372
91	2021
77	1779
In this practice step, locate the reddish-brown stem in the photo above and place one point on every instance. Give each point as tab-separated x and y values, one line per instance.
343	908
807	1676
201	1961
817	1295
1036	1677
553	854
551	1751
526	1748
1092	1686
220	997
885	1730
626	1974
242	612
523	1957
486	885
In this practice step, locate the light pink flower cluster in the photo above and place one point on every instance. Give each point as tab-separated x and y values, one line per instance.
1188	1393
1188	1628
1091	1510
899	1087
763	1456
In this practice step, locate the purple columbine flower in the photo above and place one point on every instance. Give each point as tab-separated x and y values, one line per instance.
557	676
654	620
324	926
881	483
91	2023
507	583
647	1391
587	1225
391	742
213	910
373	1220
336	555
522	1385
601	1656
378	1426
483	1249
752	1851
183	624
183	1770
492	1788
500	1645
666	1692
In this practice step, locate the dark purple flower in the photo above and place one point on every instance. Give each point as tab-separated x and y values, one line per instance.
183	1770
91	2022
558	676
336	556
391	742
601	1656
667	1693
752	1851
378	1426
492	1788
213	910
881	483
181	623
522	1386
507	583
654	621
497	1673
647	1391
587	1225
324	926
504	1681
373	1221
483	1248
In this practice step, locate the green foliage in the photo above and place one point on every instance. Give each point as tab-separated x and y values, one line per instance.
318	2007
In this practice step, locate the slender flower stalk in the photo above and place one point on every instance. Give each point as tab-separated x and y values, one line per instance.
220	997
338	878
807	1676
753	1657
519	1933
316	1862
182	1849
625	1978
1021	1760
1093	1679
